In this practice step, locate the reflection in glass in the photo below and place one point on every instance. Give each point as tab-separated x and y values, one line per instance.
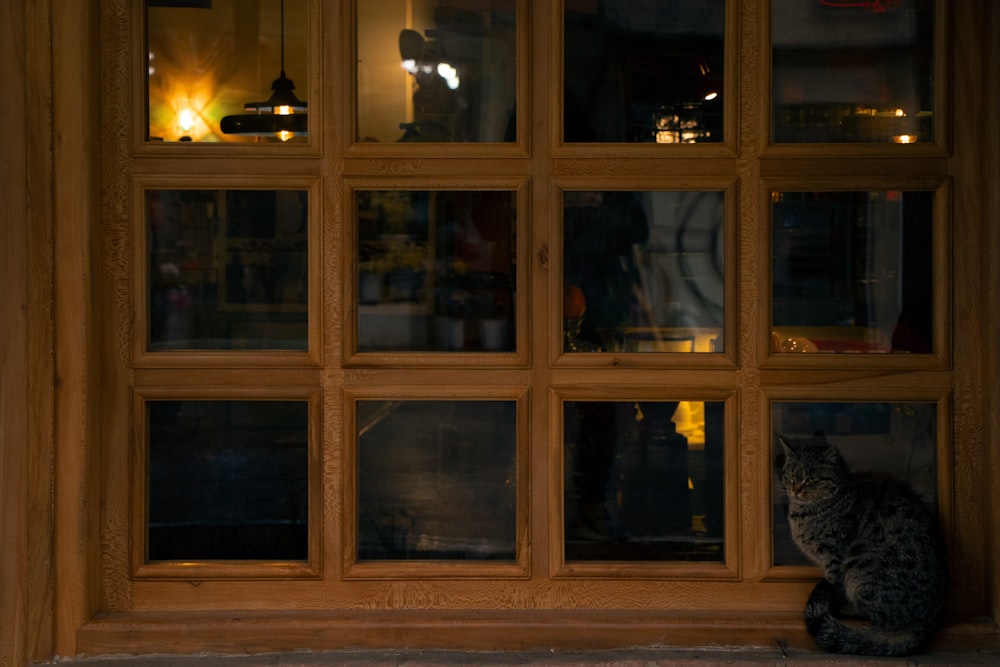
436	70
853	71
436	270
852	271
227	269
643	271
897	439
643	480
208	59
437	480
228	480
643	72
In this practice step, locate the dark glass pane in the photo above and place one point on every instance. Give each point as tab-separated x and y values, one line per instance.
436	70
643	271
437	480
853	70
228	269
436	270
897	439
228	480
643	72
852	271
209	59
644	480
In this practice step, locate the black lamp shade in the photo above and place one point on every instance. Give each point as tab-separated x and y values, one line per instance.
265	123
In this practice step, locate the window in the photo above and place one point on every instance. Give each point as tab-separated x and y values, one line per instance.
511	320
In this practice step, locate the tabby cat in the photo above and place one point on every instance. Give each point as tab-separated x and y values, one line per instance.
878	546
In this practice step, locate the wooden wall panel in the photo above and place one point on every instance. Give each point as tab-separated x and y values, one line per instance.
76	190
26	288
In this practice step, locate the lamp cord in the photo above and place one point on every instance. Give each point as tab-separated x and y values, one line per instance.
282	37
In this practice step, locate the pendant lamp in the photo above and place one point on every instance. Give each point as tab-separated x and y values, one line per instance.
282	114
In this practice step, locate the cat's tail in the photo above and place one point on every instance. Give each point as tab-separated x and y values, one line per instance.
838	637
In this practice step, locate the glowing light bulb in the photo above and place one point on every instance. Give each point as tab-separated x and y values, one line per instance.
449	74
185	120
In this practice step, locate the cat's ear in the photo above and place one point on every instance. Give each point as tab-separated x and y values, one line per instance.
786	447
831	453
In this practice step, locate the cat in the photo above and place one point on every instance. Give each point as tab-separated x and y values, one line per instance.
878	546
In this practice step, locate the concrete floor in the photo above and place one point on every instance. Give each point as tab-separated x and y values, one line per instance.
646	657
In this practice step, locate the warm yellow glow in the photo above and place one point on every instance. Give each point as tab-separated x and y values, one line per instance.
689	420
905	138
185	120
284	110
711	96
900	113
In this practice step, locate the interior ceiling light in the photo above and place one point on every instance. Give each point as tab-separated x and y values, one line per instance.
282	114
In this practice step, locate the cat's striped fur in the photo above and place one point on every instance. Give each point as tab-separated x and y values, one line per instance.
878	546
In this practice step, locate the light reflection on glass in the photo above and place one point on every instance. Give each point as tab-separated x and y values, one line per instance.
436	270
207	59
436	71
228	269
643	271
643	72
853	71
643	480
852	271
437	480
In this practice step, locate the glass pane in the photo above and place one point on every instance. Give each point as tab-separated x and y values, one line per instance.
897	439
436	270
437	480
644	480
853	70
228	480
436	70
217	70
648	72
643	271
852	271
228	269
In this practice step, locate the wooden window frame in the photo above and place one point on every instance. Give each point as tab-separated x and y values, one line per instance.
728	569
353	357
728	357
197	570
355	569
206	358
892	391
103	609
940	357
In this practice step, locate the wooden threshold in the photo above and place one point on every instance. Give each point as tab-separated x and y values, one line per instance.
247	632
